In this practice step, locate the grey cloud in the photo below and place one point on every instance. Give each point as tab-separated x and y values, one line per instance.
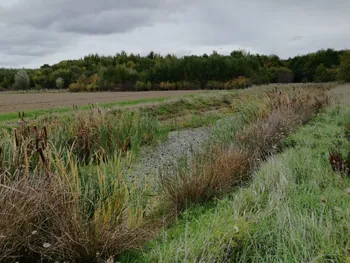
20	44
269	26
297	38
107	22
41	27
34	32
105	16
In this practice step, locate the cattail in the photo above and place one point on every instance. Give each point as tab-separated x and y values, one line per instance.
45	136
45	161
16	138
37	139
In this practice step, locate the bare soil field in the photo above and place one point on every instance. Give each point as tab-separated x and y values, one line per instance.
10	102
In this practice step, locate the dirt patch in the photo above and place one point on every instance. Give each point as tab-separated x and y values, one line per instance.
35	101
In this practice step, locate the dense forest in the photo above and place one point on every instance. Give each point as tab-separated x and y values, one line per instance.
155	72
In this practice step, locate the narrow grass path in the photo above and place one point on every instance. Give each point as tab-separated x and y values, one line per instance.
295	209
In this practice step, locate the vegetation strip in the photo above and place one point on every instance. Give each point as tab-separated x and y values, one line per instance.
296	209
6	117
85	208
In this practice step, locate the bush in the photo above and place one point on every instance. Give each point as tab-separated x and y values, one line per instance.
143	86
213	84
280	75
149	86
167	85
59	83
140	86
84	83
238	83
77	87
22	81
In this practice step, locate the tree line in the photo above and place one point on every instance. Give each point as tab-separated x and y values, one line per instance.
155	72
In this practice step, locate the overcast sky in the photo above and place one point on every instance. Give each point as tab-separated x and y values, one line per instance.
35	32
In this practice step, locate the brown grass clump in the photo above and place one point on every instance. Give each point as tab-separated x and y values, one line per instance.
286	112
261	138
206	178
43	222
339	164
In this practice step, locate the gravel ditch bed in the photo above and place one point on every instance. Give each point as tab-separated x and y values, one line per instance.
165	154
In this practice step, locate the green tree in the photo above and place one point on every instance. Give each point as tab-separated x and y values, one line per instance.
324	74
22	81
320	74
59	83
280	75
344	69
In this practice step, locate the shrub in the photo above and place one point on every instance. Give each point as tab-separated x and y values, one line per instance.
238	83
140	86
59	83
149	85
22	81
212	84
191	85
84	83
38	87
167	85
77	87
281	75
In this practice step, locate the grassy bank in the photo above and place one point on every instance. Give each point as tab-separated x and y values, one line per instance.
294	210
63	181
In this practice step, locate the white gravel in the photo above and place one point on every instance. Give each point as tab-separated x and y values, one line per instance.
180	144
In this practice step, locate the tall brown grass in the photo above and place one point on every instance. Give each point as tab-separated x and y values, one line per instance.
206	178
218	171
77	214
43	222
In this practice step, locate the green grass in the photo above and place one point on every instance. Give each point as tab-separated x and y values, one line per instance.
189	102
294	210
6	117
